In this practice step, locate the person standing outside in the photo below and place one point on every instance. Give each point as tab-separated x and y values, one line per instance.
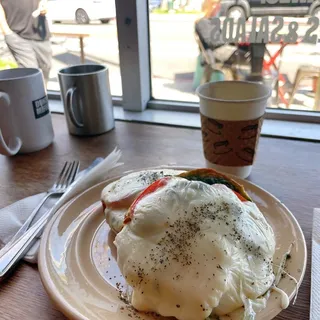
231	55
26	31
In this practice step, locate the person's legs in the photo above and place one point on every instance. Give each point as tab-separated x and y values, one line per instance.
22	51
43	53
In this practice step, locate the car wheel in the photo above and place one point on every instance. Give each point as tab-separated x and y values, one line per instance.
82	17
236	12
105	20
316	12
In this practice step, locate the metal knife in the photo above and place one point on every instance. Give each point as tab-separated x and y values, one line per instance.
315	267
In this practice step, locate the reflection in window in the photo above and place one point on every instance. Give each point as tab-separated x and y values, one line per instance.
188	47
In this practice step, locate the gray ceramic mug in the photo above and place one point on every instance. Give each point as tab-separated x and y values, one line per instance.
85	91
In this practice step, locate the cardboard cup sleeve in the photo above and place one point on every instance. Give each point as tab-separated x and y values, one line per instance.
230	143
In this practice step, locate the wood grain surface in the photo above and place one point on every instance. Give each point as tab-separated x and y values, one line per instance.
288	169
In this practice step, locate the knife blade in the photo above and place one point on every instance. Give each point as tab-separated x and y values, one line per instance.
315	267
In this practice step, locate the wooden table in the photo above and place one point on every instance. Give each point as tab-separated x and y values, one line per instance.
80	36
288	169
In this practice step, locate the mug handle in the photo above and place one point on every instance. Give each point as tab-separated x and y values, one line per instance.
15	143
69	99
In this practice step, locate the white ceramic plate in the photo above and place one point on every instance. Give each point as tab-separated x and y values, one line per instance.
77	259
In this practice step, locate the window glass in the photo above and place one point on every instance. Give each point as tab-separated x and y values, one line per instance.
195	41
82	31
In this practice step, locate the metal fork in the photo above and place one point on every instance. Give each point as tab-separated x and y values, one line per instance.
65	178
11	254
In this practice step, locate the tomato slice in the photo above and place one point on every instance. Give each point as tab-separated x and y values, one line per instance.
241	198
152	188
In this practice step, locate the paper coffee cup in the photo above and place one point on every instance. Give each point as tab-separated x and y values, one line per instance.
231	119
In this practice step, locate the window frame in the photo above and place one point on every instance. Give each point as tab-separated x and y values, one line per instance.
133	64
274	114
133	30
134	53
193	107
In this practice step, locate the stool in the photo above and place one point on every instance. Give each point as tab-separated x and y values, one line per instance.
307	72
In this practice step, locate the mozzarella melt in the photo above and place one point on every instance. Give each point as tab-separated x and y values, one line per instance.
192	250
118	196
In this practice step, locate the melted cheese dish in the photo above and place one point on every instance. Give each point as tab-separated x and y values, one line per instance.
191	250
119	195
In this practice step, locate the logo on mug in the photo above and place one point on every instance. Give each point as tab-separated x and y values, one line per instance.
40	107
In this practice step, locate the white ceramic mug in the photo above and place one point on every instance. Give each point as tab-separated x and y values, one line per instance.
231	119
25	120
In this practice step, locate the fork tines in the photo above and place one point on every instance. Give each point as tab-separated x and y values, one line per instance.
68	174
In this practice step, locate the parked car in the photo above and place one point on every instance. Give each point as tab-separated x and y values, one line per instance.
247	8
81	11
